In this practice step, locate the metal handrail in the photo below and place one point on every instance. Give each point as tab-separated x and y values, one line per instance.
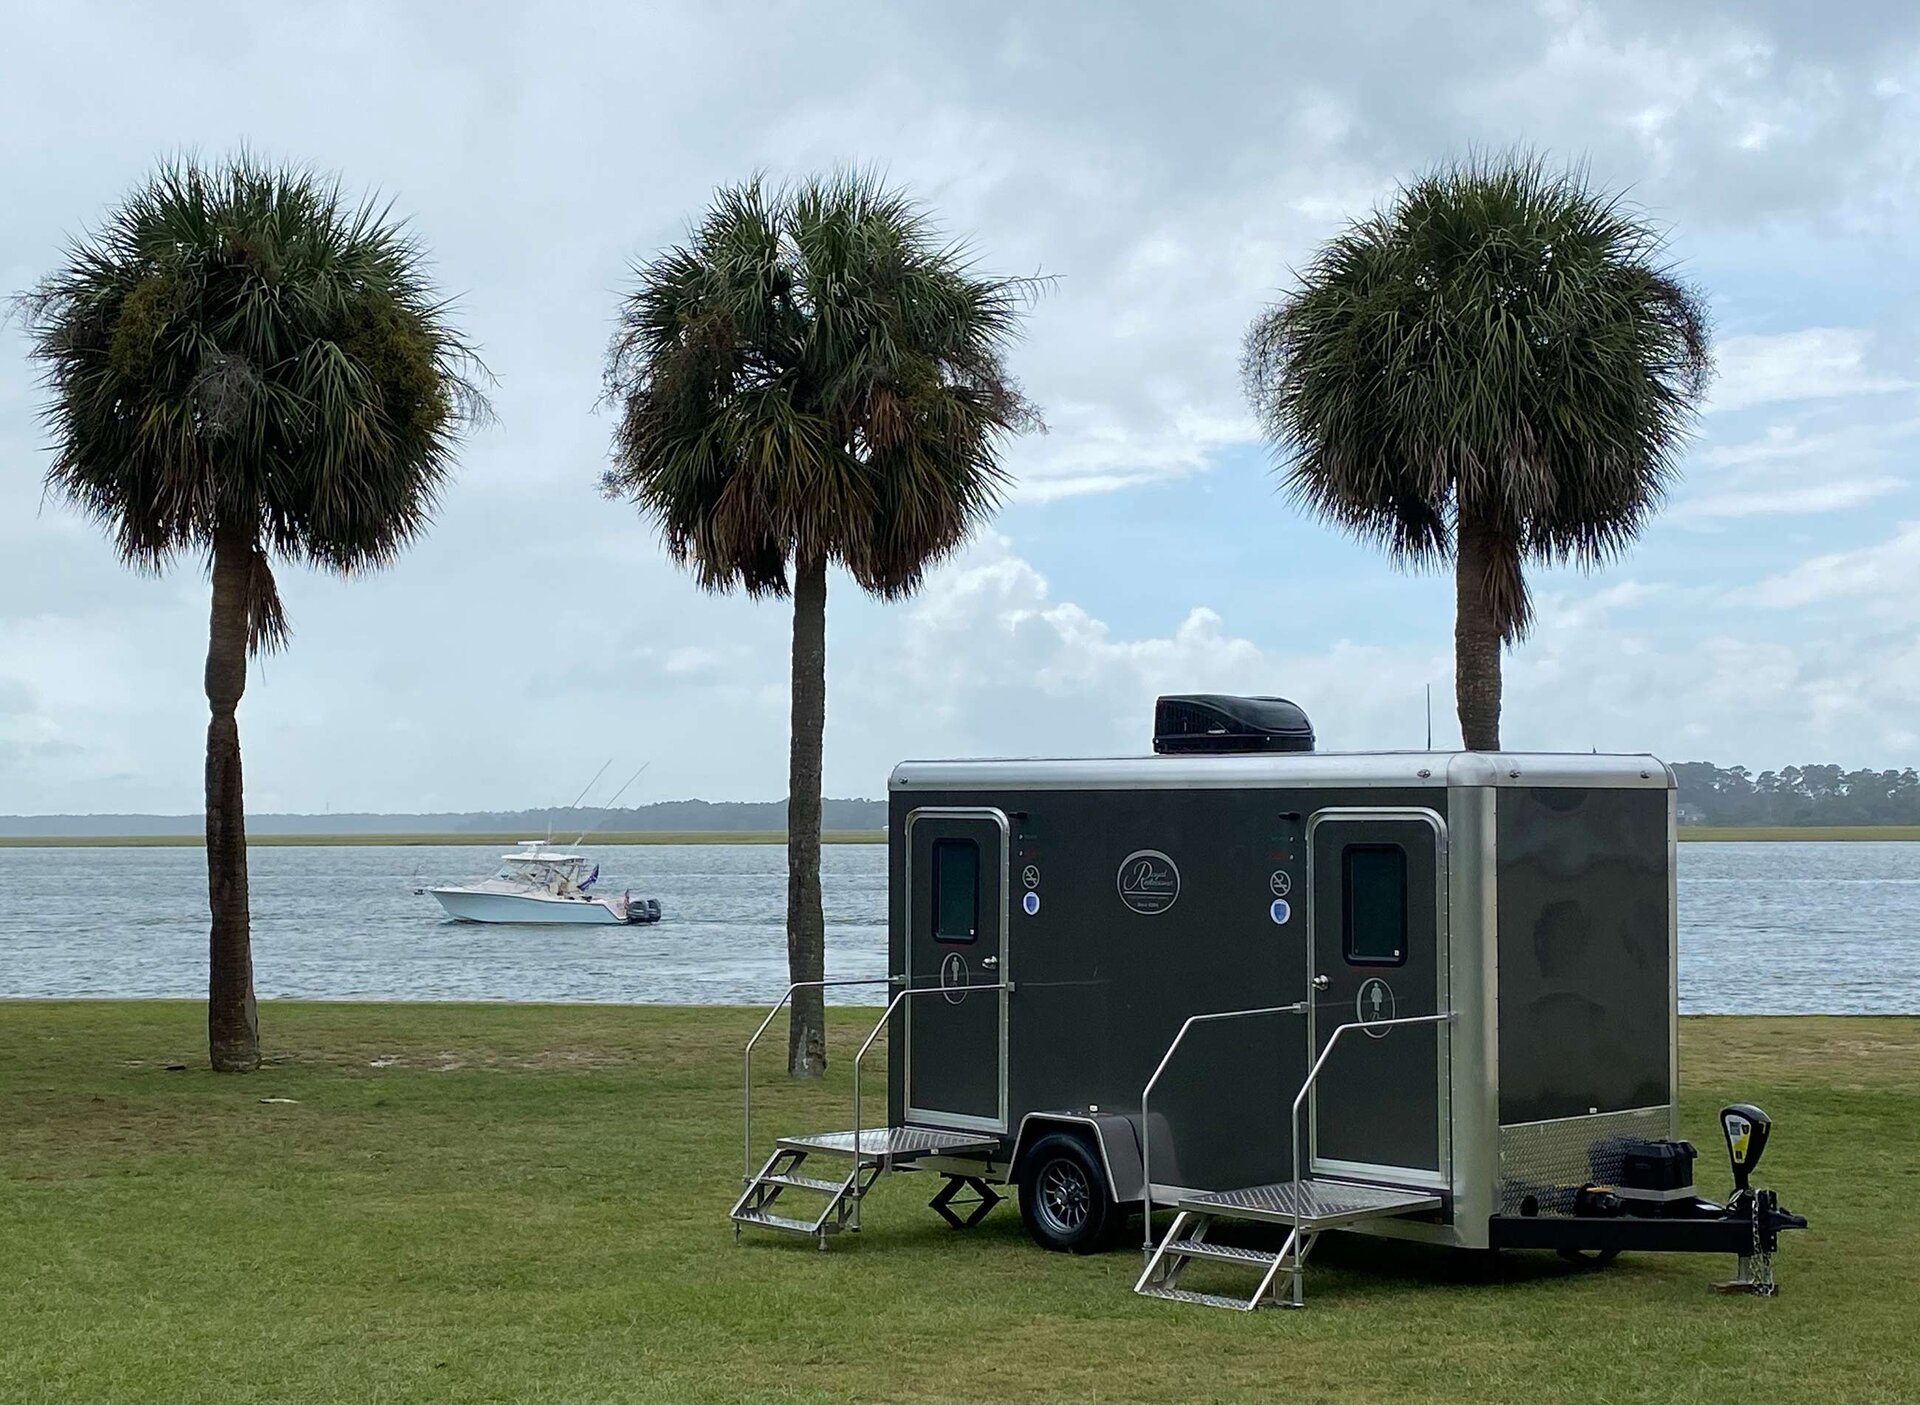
1146	1128
746	1082
1445	1017
874	1034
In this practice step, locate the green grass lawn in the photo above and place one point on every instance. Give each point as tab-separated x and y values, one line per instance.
467	1202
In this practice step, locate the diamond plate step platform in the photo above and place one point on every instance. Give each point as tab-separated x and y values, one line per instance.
785	1222
1305	1207
886	1146
1183	1295
1314	1205
882	1149
825	1187
1221	1253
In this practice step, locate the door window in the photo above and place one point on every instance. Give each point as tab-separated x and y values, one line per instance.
1373	881
956	890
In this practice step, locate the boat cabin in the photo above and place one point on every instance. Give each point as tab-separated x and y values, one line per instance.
534	864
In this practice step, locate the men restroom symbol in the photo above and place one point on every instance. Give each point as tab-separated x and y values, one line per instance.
1374	1003
955	977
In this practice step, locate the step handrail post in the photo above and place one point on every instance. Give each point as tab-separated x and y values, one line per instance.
873	1034
1146	1128
1306	1087
746	1079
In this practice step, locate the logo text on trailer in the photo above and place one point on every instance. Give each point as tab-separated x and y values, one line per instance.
1149	881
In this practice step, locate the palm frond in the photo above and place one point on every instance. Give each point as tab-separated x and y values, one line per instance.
240	348
1505	341
815	372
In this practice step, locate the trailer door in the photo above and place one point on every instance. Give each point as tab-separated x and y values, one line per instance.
956	919
1377	904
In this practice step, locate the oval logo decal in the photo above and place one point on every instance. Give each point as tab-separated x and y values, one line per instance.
1149	881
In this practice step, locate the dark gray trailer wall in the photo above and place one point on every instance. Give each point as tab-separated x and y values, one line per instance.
1585	981
1103	984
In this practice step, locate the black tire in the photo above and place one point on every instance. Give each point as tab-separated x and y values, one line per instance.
1065	1202
1590	1258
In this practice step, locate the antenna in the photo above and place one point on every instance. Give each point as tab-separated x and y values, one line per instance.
1429	717
609	805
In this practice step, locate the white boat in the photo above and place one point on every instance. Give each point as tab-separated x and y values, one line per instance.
537	883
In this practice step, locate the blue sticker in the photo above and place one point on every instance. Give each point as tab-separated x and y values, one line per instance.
1280	910
1031	902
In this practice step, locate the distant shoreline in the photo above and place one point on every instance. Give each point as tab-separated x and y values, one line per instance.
491	841
1803	833
1896	833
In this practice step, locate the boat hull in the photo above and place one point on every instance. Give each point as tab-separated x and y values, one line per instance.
464	905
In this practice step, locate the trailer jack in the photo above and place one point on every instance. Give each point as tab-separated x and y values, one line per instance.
1746	1129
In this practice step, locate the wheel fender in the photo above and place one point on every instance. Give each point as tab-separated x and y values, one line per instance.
1113	1136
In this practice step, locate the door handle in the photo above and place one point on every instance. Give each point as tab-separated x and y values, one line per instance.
990	962
1321	982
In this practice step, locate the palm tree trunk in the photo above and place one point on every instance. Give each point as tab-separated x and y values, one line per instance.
233	1029
806	922
1476	637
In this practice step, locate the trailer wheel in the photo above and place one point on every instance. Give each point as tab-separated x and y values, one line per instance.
1064	1199
1590	1258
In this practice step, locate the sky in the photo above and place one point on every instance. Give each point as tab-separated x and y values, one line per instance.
1168	167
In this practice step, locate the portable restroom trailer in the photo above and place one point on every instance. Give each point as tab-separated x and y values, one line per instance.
1425	995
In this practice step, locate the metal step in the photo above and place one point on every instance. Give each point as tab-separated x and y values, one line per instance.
884	1146
1306	1207
825	1187
810	1228
1312	1204
1223	1253
1187	1295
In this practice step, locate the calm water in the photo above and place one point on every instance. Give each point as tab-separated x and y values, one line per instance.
1763	927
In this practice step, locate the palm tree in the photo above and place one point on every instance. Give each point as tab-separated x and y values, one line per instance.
1500	368
814	377
241	365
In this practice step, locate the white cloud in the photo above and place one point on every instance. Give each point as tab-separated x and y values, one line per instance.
1833	496
1815	363
1886	575
1790	470
1817	452
991	663
1090	450
1170	167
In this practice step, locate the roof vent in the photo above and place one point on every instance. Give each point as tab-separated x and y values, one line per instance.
1213	722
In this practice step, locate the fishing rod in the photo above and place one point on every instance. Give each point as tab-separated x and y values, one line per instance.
608	807
581	796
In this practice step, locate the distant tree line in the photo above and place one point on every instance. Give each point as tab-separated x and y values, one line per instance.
717	816
1796	795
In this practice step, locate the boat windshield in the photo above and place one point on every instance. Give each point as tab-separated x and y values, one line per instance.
555	875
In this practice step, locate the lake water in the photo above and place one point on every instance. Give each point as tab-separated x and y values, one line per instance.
1780	928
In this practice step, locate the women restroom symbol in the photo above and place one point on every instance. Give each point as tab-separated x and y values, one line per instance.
1373	1003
